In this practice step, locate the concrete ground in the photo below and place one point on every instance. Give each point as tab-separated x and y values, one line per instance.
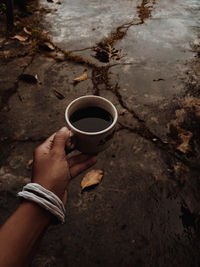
144	56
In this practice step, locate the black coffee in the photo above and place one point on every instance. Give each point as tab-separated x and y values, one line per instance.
91	119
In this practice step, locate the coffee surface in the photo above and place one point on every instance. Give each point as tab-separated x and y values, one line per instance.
91	119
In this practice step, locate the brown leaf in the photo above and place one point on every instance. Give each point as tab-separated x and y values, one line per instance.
47	46
92	177
36	77
58	95
123	111
27	31
29	164
185	137
6	54
20	38
83	77
28	78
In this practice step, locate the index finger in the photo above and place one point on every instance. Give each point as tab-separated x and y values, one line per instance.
48	143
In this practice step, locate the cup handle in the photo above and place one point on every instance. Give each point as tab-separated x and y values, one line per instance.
73	144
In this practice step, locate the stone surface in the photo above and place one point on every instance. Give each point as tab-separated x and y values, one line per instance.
144	57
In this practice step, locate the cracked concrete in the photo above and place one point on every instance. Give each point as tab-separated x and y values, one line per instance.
144	57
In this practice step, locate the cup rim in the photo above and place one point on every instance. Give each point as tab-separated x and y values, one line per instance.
91	133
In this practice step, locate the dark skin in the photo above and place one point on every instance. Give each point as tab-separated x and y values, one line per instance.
20	234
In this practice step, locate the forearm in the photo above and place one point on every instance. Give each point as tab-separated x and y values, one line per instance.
20	233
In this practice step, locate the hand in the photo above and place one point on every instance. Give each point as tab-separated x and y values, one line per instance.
52	170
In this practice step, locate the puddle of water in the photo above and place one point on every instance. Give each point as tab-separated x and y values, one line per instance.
160	48
78	24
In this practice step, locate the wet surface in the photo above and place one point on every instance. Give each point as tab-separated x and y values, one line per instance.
144	57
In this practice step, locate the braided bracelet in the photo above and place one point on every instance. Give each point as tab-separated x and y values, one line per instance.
45	199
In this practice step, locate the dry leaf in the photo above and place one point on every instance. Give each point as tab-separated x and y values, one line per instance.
123	111
27	31
20	38
58	95
16	23
50	46
47	46
92	177
28	78
6	54
110	52
29	164
83	77
36	77
185	137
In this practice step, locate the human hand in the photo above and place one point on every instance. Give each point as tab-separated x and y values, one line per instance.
52	169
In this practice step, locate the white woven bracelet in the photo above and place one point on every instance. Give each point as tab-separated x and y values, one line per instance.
44	198
43	192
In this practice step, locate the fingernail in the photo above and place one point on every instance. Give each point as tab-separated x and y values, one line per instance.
63	129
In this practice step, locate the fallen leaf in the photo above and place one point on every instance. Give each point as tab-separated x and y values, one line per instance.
2	39
185	137
92	177
58	95
83	77
20	38
27	31
110	51
29	164
28	78
158	80
16	23
123	111
6	54
3	138
47	46
50	46
5	108
36	77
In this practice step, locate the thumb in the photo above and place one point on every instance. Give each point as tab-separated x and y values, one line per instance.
60	139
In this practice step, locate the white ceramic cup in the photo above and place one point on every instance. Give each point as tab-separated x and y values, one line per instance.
91	142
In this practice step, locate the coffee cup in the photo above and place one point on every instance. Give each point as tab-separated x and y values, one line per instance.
91	120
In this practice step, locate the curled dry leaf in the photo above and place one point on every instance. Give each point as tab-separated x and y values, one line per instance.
185	137
58	95
92	177
29	164
83	77
47	46
36	77
27	31
50	46
123	112
20	38
6	54
28	78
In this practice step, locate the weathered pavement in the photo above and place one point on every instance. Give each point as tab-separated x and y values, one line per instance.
145	57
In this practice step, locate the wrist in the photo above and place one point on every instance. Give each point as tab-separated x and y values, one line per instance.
54	189
44	198
32	209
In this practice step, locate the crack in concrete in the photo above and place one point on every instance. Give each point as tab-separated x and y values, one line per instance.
100	76
166	147
105	49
